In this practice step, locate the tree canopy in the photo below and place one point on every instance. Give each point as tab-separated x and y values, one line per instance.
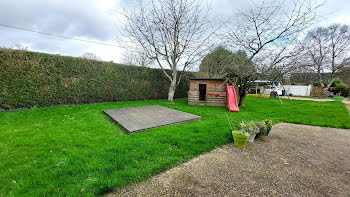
216	63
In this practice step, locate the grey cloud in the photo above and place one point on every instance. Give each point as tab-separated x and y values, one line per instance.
91	20
72	18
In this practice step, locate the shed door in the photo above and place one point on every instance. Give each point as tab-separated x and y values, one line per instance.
202	91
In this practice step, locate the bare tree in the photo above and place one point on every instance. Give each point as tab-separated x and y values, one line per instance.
345	65
171	32
316	45
268	32
137	59
90	56
326	49
339	46
344	70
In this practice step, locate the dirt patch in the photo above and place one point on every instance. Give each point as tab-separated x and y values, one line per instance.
296	160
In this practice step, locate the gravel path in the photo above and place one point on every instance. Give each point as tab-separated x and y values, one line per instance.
295	160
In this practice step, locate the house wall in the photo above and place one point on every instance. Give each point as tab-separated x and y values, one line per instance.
298	90
215	94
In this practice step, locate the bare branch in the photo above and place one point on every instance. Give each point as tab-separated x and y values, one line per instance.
327	47
269	34
171	32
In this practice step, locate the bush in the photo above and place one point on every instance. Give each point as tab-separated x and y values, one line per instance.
336	81
342	88
36	79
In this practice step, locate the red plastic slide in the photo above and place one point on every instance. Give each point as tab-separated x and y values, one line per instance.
232	98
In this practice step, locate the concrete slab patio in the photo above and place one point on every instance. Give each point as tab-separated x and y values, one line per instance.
134	119
296	160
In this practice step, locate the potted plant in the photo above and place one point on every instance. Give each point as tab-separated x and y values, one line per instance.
262	129
251	128
268	126
240	138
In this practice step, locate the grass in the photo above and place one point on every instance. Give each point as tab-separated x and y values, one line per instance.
77	150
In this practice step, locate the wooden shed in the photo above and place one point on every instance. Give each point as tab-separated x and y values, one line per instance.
207	92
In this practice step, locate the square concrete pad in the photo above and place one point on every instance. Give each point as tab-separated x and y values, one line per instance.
139	118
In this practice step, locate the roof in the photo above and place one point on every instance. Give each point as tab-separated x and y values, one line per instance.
207	79
262	81
308	77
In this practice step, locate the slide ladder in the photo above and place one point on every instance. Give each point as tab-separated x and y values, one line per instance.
232	98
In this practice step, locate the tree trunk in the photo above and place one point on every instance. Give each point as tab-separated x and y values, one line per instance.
242	94
333	70
172	88
330	83
171	93
333	63
241	100
320	76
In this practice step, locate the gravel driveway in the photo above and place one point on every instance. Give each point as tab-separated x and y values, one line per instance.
296	160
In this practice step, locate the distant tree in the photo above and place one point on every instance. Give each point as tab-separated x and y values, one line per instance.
216	63
327	49
90	56
20	47
136	58
316	45
224	63
269	34
243	68
340	45
344	70
173	33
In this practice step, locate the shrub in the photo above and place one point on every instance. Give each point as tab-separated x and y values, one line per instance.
342	88
336	81
36	79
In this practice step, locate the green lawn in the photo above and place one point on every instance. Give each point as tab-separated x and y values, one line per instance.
77	150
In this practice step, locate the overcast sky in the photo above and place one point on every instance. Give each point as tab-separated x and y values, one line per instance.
95	20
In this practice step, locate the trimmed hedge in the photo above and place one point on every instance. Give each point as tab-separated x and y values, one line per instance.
30	79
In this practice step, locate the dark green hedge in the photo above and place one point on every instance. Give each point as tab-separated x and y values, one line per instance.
36	79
